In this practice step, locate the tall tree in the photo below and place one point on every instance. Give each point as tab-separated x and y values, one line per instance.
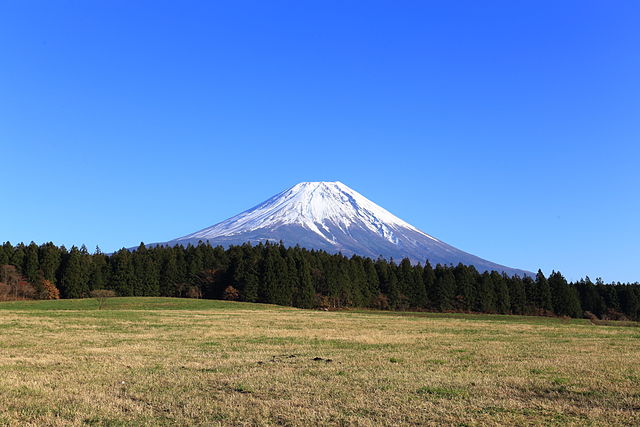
74	281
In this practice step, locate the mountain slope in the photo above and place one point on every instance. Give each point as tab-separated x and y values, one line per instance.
333	217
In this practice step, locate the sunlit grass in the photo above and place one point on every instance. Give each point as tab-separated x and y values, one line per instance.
150	361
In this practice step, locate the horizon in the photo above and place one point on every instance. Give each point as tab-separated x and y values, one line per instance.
508	131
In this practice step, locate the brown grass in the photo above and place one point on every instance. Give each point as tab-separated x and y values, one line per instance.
240	364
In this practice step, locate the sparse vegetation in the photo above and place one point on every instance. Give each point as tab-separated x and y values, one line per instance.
160	361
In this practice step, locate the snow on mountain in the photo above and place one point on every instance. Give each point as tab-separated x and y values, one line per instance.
331	216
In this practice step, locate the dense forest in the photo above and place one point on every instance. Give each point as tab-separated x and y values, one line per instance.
272	273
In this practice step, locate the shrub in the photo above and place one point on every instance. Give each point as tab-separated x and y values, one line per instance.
231	294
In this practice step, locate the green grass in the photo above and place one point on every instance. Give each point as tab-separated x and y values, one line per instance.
166	361
135	303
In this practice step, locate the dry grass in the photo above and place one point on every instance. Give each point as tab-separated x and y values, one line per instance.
154	361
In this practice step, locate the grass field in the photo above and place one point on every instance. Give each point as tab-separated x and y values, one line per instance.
154	361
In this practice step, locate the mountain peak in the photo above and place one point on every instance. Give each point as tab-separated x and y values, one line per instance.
319	207
330	216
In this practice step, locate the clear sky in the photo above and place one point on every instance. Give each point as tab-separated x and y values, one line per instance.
509	129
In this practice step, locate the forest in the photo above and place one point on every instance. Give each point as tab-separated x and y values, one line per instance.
294	276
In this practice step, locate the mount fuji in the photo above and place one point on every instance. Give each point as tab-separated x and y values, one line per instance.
332	217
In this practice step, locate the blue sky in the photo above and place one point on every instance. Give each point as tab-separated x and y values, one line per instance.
510	129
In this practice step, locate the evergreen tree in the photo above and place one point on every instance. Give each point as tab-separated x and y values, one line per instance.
543	293
503	299
517	295
565	297
428	280
486	300
123	278
98	275
49	256
305	294
74	276
169	276
31	263
465	287
6	250
373	282
419	293
274	275
444	288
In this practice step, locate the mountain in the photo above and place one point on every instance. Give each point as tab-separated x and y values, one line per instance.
331	216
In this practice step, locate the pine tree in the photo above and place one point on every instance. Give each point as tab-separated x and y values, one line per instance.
358	282
465	287
74	277
428	280
31	263
565	298
517	295
373	281
419	294
274	275
98	276
305	294
543	293
49	256
486	295
444	288
6	250
122	278
169	276
503	299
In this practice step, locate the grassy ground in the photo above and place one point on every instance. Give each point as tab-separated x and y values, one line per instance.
151	361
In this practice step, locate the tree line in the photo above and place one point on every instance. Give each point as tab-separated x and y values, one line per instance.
273	273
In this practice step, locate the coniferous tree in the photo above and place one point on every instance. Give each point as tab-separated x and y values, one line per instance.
49	256
503	299
169	276
373	282
517	295
98	275
428	280
74	278
543	293
31	263
590	299
444	288
486	302
18	256
6	250
405	285
565	297
122	277
305	294
465	287
419	294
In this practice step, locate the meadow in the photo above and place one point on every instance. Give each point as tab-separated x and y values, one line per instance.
165	361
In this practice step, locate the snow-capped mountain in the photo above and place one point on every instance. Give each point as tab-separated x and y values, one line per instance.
333	217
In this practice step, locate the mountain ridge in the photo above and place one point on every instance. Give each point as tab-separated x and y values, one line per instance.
330	216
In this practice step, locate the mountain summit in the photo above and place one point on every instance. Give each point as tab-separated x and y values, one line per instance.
331	216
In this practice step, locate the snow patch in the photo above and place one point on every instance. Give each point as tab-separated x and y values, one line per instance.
313	205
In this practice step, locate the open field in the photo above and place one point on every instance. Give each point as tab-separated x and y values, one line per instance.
150	361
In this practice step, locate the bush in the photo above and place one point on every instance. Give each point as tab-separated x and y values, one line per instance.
231	294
